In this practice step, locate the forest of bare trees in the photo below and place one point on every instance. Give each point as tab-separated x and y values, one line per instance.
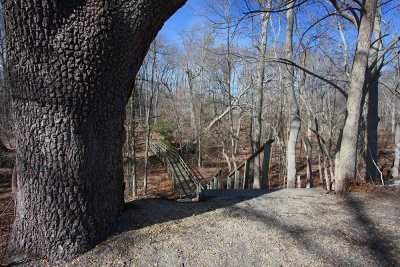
241	77
86	87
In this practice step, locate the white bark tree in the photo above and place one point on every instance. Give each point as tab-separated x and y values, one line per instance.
396	164
294	115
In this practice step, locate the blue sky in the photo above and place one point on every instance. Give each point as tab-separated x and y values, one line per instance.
184	19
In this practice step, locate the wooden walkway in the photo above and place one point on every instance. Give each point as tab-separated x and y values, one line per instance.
186	181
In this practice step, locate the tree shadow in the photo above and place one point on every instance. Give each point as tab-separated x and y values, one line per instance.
373	238
368	236
136	215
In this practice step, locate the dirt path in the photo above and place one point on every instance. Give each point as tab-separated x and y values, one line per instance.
256	228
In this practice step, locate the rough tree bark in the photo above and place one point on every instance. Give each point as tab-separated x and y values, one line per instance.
348	148
71	65
293	105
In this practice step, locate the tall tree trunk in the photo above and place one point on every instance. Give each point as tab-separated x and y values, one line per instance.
190	79
259	94
308	148
396	164
292	101
348	148
307	139
150	100
373	119
372	129
146	149
231	101
128	149
133	146
14	180
71	65
393	118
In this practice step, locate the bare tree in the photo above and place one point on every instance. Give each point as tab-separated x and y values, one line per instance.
295	122
259	92
348	147
396	164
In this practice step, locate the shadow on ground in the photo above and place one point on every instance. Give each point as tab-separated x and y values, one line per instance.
288	227
137	216
361	232
373	238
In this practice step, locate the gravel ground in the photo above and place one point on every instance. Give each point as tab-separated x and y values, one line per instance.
291	227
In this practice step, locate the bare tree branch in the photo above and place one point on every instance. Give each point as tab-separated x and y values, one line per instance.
288	62
352	16
234	105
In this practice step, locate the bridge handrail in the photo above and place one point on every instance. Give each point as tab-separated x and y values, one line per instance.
171	153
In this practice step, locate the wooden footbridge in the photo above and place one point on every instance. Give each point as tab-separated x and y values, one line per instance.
190	184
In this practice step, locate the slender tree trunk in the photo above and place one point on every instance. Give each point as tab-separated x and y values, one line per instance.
199	126
372	130
373	119
326	174
132	149
326	156
190	78
71	64
148	116
393	118
226	157
237	135
146	152
128	151
396	164
259	94
307	139
307	147
292	101
14	180
348	148
321	174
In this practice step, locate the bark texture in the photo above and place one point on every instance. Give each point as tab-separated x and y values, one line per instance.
348	148
72	65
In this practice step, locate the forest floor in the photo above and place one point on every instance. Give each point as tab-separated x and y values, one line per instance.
289	227
297	227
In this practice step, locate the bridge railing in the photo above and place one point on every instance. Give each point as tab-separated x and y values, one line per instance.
234	180
170	157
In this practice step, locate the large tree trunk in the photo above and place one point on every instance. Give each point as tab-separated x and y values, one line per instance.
293	105
71	65
348	148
